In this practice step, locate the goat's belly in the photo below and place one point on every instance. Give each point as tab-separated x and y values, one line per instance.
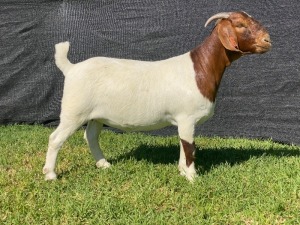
135	126
141	118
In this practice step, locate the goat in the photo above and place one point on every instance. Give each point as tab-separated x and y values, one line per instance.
134	95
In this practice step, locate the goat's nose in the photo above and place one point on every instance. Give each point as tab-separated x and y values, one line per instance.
267	39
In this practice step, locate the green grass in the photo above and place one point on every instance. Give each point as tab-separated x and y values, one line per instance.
240	181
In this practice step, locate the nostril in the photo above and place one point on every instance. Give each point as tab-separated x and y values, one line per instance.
267	39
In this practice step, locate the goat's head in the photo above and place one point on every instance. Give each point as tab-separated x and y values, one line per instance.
239	32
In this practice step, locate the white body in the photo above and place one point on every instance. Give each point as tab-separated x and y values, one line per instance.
129	95
134	95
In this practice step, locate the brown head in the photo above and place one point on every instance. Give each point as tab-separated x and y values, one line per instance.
235	34
239	32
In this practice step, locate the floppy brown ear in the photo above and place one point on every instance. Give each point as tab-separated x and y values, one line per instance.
227	36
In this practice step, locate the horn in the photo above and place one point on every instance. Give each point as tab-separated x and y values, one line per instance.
221	15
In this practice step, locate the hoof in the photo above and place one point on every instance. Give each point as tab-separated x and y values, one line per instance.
191	178
189	173
102	163
49	175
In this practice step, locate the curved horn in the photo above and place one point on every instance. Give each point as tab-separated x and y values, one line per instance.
218	16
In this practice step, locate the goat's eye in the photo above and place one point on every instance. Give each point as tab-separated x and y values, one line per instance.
240	25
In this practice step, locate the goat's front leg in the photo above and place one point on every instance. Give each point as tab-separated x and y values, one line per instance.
187	151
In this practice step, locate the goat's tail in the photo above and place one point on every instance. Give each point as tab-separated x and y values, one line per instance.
61	60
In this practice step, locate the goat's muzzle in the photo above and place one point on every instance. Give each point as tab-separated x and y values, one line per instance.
263	44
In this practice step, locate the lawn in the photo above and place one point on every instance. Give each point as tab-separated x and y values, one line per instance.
240	181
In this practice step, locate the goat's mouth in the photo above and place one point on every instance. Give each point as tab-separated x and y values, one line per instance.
263	43
262	48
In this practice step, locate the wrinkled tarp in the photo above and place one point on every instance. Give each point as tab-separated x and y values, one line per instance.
259	94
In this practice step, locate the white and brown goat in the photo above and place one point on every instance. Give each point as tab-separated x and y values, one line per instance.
134	95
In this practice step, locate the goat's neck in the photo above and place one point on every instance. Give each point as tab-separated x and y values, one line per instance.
210	60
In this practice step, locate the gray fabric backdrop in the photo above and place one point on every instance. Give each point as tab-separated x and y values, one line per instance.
259	95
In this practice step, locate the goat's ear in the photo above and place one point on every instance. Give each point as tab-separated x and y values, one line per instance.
227	35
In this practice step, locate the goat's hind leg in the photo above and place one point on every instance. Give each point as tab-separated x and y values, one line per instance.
91	135
56	140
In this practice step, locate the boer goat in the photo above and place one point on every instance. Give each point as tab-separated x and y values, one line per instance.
134	95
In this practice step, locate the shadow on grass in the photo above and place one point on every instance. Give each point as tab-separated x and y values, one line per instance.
206	158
